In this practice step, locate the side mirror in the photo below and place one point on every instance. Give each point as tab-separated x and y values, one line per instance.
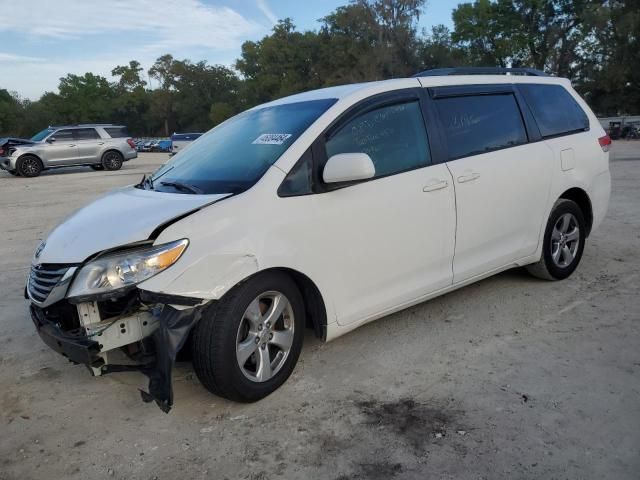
348	167
51	139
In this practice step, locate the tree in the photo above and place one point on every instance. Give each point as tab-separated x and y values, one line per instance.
10	113
280	64
84	99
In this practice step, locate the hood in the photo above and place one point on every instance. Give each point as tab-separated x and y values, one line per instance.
120	217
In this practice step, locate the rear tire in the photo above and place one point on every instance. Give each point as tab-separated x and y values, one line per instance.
243	333
112	160
29	166
97	167
563	242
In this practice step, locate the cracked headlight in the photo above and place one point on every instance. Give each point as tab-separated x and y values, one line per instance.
120	271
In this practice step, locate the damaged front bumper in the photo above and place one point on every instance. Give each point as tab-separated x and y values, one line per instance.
141	331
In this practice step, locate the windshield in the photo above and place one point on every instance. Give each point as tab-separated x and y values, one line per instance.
38	137
234	156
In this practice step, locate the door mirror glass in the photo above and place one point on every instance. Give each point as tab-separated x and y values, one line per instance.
348	167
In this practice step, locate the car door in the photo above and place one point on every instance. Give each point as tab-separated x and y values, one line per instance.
502	176
89	145
60	148
386	241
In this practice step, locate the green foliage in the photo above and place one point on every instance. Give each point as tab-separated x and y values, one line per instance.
594	43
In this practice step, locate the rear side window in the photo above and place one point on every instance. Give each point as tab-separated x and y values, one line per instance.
394	136
480	123
556	112
85	134
117	132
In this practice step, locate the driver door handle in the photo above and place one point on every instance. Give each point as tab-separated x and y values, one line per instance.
435	185
471	176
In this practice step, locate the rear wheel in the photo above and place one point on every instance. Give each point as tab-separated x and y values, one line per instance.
564	241
112	160
249	344
29	166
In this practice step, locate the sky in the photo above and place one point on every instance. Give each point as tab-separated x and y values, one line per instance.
43	40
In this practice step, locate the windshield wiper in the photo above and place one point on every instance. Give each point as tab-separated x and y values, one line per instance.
182	186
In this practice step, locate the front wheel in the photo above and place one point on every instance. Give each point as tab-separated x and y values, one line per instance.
250	342
564	240
29	166
112	161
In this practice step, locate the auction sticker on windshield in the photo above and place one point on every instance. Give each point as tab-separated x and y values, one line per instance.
271	139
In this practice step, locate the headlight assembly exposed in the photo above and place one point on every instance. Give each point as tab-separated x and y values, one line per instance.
121	270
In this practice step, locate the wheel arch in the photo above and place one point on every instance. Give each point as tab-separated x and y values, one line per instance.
581	197
315	307
30	154
111	149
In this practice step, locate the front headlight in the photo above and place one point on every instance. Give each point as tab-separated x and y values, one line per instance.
122	270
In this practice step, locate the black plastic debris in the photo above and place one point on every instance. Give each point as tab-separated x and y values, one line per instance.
170	336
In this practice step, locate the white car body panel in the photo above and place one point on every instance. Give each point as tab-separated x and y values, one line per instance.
106	222
501	206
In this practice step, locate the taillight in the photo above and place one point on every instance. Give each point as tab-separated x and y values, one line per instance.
605	143
131	143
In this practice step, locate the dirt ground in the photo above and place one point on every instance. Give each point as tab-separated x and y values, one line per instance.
512	377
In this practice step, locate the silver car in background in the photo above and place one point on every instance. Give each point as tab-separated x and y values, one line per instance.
100	146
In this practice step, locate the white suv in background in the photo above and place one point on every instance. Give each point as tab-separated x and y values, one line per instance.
100	146
327	209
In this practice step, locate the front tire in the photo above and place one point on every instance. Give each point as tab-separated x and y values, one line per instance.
29	166
563	243
112	161
248	345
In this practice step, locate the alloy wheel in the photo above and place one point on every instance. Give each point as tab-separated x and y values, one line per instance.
565	240
265	336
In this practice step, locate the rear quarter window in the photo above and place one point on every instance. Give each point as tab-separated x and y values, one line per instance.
554	109
117	132
480	123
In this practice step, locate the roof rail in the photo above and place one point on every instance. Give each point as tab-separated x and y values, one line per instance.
74	125
436	72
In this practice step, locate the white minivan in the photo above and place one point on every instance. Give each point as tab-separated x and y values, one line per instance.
326	209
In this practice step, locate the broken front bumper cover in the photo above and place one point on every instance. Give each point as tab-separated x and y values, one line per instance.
173	328
76	347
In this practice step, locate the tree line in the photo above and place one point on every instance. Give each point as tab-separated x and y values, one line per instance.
594	43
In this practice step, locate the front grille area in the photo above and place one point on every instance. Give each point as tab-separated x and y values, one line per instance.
43	278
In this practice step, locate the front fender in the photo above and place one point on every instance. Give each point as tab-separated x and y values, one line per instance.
209	278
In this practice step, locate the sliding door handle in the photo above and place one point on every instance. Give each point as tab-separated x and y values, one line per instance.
435	185
468	178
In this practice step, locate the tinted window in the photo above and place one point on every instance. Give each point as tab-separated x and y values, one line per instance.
63	135
234	155
85	134
393	136
555	110
117	132
480	123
